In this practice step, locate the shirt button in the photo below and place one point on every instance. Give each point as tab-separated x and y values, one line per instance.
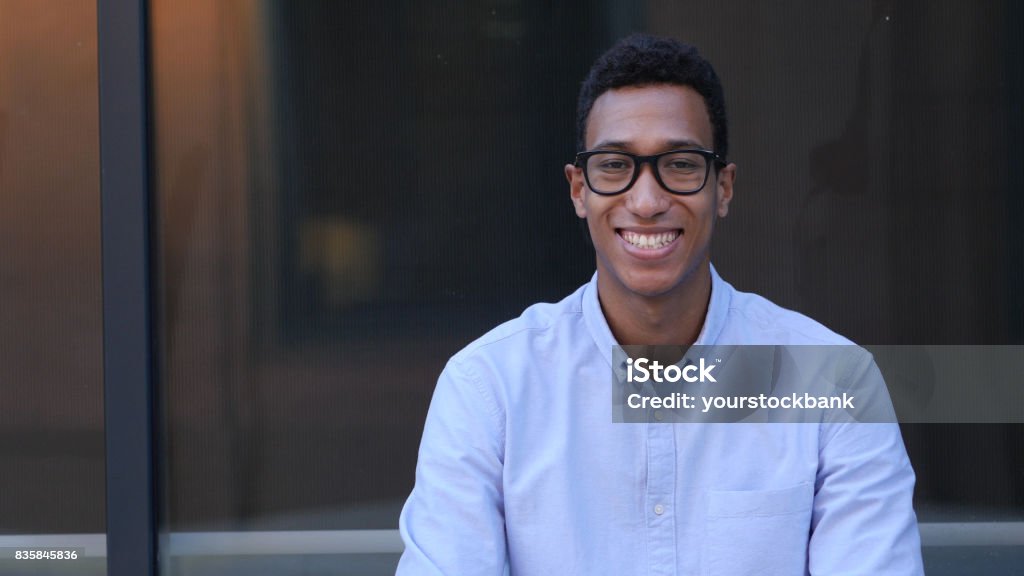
659	509
658	415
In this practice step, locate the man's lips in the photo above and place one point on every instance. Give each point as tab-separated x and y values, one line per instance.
649	239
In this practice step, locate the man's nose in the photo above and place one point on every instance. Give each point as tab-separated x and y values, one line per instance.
646	198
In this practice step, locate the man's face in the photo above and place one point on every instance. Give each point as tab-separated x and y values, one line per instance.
626	228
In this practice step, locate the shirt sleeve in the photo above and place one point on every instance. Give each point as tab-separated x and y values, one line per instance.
863	519
454	521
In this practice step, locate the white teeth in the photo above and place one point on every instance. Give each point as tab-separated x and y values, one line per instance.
650	241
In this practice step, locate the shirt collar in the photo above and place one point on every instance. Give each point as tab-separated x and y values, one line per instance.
718	309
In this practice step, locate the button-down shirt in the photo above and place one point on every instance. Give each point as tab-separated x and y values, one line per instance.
521	467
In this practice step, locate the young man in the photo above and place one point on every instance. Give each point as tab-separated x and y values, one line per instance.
520	463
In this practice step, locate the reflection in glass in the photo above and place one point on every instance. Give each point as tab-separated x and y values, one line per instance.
348	194
51	373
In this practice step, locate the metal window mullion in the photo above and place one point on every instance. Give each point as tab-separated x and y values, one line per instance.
127	349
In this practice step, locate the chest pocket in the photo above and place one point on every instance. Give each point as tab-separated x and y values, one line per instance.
762	532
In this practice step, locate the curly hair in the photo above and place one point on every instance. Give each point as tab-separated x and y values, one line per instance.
642	60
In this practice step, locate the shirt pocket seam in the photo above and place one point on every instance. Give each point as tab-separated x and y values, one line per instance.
750	503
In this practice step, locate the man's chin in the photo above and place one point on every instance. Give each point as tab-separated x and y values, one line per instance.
652	287
657	284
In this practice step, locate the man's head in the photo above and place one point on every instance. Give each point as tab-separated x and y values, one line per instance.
643	60
651	206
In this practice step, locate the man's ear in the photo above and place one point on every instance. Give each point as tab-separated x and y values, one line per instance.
726	178
574	175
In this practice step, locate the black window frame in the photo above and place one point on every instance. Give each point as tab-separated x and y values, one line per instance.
128	379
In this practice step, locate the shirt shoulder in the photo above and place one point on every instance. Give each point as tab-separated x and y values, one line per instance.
539	324
757	320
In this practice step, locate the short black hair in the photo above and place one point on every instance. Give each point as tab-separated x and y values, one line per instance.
643	60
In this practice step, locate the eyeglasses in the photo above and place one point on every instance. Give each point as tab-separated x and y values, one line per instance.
678	171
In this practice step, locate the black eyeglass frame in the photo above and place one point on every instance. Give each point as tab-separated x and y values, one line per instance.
638	164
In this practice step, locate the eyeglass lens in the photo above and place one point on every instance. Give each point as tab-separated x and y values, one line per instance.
611	172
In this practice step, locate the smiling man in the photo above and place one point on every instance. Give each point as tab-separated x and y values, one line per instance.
641	187
521	466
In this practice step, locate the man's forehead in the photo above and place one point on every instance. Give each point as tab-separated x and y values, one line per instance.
667	142
657	115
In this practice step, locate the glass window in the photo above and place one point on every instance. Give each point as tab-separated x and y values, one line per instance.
51	371
347	195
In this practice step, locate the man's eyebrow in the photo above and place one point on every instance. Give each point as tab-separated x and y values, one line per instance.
611	144
623	145
684	144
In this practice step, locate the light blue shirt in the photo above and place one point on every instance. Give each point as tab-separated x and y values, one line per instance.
522	468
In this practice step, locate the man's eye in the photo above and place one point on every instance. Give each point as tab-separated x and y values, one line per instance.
682	165
613	165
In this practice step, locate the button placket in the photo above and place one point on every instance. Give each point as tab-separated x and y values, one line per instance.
661	481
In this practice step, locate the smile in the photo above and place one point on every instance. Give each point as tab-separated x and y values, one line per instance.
649	241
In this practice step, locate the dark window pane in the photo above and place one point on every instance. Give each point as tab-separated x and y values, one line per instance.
51	379
348	194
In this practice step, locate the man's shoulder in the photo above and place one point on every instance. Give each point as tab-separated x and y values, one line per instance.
756	317
541	321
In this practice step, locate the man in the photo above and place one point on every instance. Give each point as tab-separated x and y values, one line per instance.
521	466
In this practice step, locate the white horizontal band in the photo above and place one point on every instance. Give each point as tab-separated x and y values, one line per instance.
299	542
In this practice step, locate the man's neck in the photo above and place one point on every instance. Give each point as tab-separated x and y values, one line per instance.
674	318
